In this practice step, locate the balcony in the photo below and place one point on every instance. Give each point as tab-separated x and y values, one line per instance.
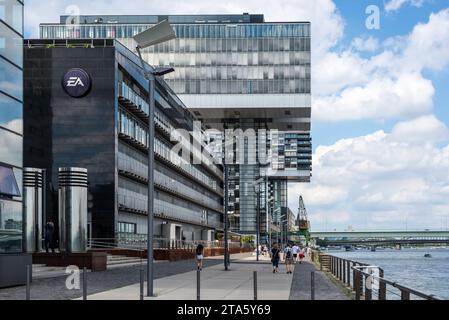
181	189
133	102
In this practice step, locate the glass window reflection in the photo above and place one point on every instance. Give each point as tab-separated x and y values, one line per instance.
10	148
10	79
11	13
11	45
10	226
10	114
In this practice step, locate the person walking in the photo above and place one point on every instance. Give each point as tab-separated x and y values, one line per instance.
199	256
265	250
49	235
288	257
295	250
275	257
301	255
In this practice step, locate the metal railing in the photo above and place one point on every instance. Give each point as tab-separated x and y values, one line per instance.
139	242
365	284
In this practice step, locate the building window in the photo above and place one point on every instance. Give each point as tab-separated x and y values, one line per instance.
8	183
125	227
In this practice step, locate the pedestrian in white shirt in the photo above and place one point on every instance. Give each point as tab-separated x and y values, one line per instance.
295	251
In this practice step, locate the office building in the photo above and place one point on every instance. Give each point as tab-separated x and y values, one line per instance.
232	71
12	263
104	128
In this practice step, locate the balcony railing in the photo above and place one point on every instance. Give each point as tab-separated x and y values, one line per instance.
182	189
126	92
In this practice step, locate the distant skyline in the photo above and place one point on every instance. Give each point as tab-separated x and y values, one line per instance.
380	111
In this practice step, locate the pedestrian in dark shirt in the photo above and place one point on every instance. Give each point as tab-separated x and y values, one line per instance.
275	257
199	256
49	235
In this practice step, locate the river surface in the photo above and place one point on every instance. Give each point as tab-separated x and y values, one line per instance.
408	267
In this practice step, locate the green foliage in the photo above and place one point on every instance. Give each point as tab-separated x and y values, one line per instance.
247	239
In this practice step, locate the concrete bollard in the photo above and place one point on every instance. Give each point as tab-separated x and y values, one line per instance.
198	285
84	283
141	283
255	284
28	285
312	285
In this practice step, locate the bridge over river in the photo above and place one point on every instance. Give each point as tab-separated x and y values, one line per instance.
382	237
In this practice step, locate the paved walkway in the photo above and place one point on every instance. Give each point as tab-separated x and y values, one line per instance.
237	284
324	288
216	284
177	281
55	288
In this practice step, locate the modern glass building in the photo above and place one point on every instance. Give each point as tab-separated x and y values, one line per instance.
232	71
105	131
12	267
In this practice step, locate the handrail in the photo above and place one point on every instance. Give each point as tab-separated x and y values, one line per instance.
139	242
351	273
398	286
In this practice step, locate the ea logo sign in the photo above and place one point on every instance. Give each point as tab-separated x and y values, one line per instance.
76	83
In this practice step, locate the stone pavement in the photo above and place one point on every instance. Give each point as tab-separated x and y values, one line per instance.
177	280
237	284
216	284
324	288
54	288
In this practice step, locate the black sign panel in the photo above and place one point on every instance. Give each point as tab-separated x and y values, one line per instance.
76	83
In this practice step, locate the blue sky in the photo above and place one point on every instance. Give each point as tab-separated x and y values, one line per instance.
380	103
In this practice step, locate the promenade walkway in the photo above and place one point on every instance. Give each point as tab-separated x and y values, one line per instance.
235	284
324	288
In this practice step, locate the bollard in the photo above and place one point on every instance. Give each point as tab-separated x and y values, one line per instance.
198	284
255	285
382	286
358	285
312	285
84	283
28	287
141	283
348	274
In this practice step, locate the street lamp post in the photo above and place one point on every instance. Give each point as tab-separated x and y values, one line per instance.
226	245
257	192
257	220
157	34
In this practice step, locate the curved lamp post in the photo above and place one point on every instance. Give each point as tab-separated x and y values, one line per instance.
159	33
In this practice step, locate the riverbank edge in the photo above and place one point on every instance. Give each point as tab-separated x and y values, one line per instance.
347	291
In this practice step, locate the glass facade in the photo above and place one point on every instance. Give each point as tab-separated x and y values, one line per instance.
226	65
11	127
219	59
184	192
107	133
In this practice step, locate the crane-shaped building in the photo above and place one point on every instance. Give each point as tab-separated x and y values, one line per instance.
302	221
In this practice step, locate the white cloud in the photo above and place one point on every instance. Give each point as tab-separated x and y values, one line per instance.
381	98
395	5
423	129
389	84
381	179
365	44
428	44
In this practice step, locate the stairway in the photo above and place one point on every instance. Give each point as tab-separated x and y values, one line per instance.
115	261
41	271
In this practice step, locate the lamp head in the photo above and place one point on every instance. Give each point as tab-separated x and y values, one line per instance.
159	33
162	71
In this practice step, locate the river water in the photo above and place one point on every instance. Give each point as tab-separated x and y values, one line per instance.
408	267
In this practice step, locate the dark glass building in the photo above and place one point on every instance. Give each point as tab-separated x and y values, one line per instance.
105	131
233	71
12	263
